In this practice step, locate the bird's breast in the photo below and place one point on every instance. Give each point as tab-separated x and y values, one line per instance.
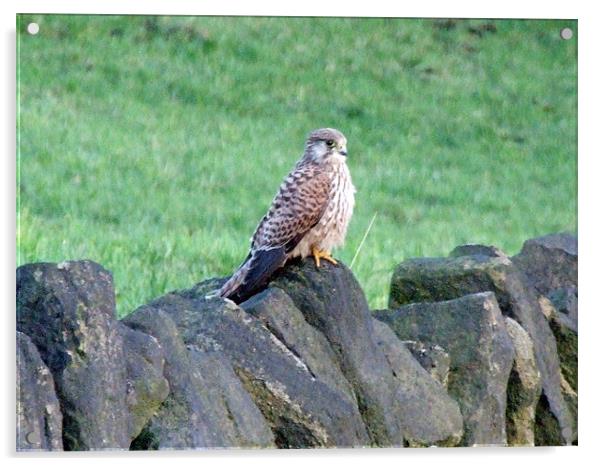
331	230
339	209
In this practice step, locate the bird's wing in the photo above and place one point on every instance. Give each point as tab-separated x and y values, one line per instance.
298	206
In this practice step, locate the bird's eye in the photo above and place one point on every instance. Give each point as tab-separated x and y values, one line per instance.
330	143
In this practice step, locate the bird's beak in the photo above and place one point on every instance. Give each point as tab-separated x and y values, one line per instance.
343	151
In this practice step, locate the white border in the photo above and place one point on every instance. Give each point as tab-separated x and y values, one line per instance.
509	9
590	236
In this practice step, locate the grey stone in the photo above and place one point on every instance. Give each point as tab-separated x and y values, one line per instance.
207	406
472	330
431	279
549	262
566	340
524	388
146	386
204	288
301	410
429	416
477	250
565	302
571	399
68	310
433	358
332	301
39	418
550	265
281	317
244	422
567	344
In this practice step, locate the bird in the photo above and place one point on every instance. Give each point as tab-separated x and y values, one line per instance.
308	216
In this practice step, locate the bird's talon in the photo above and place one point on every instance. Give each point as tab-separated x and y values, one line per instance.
331	260
318	254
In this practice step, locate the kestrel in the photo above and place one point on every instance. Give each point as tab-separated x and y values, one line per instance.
308	216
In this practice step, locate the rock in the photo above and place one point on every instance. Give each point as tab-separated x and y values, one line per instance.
278	313
244	420
206	406
472	330
570	396
427	413
68	311
549	262
301	410
39	419
332	301
433	358
419	280
565	302
550	265
566	336
146	386
477	250
547	429
206	287
566	340
524	388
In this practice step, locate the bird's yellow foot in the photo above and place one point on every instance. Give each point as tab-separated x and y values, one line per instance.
318	254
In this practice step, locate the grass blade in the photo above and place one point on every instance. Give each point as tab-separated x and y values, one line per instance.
363	239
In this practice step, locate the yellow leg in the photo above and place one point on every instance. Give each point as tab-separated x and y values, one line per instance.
318	254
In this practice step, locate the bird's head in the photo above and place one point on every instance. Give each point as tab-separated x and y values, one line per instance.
326	145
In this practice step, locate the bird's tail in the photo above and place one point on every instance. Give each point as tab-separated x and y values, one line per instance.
253	274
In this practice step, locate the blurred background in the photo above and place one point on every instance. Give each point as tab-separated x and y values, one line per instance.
153	145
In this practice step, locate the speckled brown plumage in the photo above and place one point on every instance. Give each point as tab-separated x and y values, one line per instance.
309	214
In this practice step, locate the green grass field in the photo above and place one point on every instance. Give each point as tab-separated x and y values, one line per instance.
154	145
